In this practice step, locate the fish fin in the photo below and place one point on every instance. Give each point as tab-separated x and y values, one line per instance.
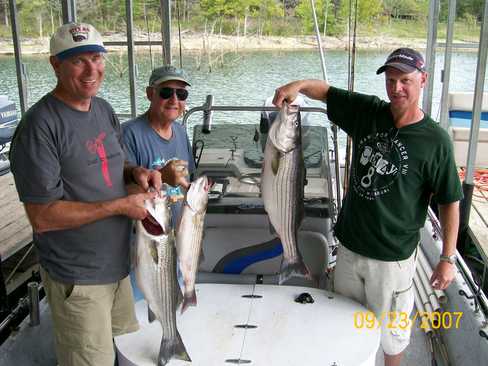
189	299
150	315
275	163
201	258
180	349
290	269
272	229
178	294
172	349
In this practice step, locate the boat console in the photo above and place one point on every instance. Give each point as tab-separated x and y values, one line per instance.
240	245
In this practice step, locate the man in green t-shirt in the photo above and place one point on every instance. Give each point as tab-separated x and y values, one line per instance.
401	159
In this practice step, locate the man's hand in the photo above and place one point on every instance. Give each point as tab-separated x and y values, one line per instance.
133	205
175	173
146	178
443	275
286	93
314	89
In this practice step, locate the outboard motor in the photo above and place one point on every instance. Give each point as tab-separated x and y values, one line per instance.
8	120
8	124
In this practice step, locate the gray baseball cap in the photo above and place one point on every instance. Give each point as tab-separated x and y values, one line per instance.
167	73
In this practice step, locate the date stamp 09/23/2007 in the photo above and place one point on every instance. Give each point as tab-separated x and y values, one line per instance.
403	320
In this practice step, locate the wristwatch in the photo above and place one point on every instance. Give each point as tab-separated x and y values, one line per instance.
448	258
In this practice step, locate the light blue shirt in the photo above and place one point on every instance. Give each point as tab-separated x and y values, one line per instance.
145	147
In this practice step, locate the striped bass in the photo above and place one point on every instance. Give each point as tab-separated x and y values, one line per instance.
155	270
189	237
282	185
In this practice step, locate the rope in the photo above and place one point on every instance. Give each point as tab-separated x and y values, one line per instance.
480	180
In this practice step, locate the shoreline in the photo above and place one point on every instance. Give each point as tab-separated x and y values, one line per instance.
201	43
194	42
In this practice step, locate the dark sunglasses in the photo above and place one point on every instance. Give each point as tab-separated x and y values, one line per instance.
166	93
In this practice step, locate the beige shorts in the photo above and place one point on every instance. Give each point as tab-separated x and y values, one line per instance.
87	317
383	287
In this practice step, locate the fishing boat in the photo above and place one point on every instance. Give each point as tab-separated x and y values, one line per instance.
243	316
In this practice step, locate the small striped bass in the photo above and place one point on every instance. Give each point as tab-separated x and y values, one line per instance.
189	237
155	271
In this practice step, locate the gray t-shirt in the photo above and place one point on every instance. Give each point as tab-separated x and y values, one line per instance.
59	153
144	147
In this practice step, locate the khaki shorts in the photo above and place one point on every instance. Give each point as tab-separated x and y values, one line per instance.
383	287
87	317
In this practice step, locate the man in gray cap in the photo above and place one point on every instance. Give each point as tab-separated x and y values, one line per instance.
153	140
70	172
401	158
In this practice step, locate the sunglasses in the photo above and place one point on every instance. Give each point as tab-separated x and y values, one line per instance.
166	93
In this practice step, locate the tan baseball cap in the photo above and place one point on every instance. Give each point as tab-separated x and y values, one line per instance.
73	38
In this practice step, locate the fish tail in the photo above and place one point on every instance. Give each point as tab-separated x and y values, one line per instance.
296	268
172	349
180	349
189	299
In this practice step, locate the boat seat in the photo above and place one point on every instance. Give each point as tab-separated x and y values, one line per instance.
460	119
247	255
460	138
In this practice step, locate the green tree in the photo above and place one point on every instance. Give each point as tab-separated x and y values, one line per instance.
406	9
322	7
368	10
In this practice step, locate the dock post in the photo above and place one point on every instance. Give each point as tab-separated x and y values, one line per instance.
33	290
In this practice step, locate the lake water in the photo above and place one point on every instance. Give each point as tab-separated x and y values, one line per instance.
247	78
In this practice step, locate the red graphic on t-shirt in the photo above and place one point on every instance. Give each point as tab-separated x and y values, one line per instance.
95	146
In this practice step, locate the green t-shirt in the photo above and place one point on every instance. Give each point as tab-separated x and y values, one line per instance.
393	175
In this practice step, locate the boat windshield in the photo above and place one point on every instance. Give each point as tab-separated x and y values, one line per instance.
234	153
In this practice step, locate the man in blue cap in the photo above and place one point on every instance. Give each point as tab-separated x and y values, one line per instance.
70	172
401	158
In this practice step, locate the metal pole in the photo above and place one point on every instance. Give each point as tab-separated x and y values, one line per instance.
319	41
19	66
468	185
166	31
208	115
430	55
68	8
130	52
3	292
33	291
446	73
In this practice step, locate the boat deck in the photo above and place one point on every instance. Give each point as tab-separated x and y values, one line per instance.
17	260
15	230
478	221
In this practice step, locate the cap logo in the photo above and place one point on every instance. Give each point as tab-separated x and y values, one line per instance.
79	34
401	56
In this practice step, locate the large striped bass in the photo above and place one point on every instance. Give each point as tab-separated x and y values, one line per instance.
282	185
155	270
189	237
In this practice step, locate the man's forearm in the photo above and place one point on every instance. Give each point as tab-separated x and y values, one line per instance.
315	89
61	215
449	217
